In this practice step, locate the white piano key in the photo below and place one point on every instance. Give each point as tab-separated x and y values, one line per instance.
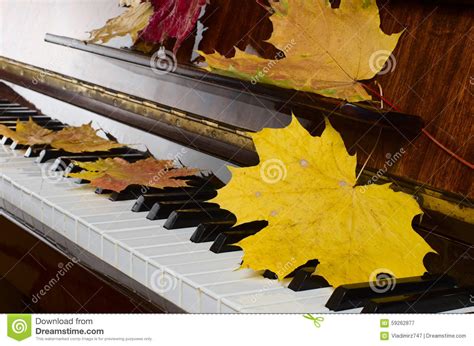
167	250
101	218
268	297
195	257
305	305
192	285
82	234
215	265
117	207
212	295
134	233
116	225
139	269
142	243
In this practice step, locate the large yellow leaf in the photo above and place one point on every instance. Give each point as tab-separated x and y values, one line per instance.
116	174
327	50
305	187
132	21
82	139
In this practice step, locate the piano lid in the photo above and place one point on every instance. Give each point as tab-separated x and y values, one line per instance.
271	106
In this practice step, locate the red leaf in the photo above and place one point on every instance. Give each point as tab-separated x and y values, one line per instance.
172	18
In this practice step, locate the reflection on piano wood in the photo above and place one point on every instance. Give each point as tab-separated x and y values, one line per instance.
37	277
175	249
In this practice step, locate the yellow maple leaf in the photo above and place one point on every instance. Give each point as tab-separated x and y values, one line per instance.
305	187
327	50
81	139
132	21
6	131
28	133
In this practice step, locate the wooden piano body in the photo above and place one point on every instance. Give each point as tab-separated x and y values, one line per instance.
208	115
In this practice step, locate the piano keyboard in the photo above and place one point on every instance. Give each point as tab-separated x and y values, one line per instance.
183	255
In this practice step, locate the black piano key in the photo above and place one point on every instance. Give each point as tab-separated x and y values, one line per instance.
429	302
101	191
43	122
304	280
6	141
308	266
207	180
16	146
193	217
268	274
130	193
35	150
125	195
131	190
356	295
148	200
8	119
9	111
224	243
225	240
162	210
209	231
50	153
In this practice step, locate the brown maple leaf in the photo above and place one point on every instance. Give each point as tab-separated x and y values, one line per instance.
116	174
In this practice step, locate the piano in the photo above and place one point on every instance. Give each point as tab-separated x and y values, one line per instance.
171	250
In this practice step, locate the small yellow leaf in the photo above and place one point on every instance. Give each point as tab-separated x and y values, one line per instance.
132	21
305	187
6	131
28	133
81	139
327	50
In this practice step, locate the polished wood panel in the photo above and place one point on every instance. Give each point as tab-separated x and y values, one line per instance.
434	79
28	265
